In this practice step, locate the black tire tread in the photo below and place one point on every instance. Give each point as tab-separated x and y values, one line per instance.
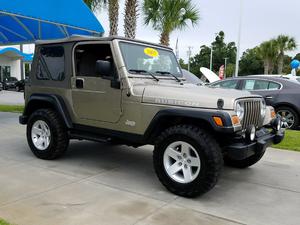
245	163
211	150
59	132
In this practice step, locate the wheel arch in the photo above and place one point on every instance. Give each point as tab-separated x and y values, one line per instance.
38	101
168	118
286	104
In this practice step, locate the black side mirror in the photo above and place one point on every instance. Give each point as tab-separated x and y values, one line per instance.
104	68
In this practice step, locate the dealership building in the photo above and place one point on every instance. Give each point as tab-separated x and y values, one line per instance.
14	63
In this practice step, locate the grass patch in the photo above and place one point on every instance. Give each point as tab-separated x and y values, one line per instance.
12	108
291	141
3	222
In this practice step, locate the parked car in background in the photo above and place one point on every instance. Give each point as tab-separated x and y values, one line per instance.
10	83
282	94
288	77
20	85
191	78
1	86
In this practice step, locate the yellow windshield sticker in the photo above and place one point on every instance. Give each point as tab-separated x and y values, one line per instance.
151	52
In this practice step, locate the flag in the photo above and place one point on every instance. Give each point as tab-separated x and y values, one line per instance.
221	72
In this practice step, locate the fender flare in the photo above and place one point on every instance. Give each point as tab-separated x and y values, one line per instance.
54	100
204	115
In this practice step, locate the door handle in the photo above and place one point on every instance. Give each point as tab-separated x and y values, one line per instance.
269	97
79	83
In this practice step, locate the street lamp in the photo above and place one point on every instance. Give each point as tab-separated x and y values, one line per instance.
211	58
239	40
225	75
189	53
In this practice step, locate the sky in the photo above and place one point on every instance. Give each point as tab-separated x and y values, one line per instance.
261	21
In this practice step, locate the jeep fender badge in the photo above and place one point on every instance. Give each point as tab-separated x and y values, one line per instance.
130	123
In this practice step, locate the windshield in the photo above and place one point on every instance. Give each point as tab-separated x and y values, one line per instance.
191	78
150	59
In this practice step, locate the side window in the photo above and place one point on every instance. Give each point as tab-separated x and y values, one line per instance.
274	86
86	57
51	64
251	85
229	84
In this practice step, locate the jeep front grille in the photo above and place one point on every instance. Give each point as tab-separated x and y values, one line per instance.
252	112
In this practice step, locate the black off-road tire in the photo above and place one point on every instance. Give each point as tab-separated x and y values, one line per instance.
59	141
206	147
245	163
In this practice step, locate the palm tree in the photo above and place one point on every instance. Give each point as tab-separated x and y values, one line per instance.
93	4
130	18
113	12
284	43
169	15
268	51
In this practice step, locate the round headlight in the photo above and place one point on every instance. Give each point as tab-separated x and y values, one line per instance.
263	108
240	111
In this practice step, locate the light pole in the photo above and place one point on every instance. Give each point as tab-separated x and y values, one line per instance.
211	58
239	40
189	53
225	75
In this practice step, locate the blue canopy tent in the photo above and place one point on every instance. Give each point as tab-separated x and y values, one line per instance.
16	54
25	21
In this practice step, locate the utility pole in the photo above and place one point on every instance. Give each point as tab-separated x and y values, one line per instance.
189	53
225	75
211	58
239	40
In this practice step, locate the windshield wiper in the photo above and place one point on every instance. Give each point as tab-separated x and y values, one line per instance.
168	73
144	71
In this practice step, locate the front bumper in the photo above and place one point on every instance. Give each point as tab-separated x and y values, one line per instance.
241	149
23	120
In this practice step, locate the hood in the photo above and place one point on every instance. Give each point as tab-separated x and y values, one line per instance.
188	95
209	75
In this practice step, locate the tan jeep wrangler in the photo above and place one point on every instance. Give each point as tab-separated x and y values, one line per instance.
133	92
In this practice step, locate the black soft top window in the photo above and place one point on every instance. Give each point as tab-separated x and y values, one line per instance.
51	63
86	56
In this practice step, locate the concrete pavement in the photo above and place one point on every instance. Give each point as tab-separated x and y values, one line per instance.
100	184
11	98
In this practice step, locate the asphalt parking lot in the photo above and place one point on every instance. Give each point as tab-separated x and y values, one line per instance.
99	184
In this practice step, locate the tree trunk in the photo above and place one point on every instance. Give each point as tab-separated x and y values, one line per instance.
266	66
280	63
165	38
130	18
113	11
271	66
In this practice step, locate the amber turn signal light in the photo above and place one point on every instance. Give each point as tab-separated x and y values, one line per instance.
235	120
218	121
273	114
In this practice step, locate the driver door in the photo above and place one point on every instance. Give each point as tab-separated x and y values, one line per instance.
93	97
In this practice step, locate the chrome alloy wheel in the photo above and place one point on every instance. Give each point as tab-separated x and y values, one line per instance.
41	135
287	117
182	162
